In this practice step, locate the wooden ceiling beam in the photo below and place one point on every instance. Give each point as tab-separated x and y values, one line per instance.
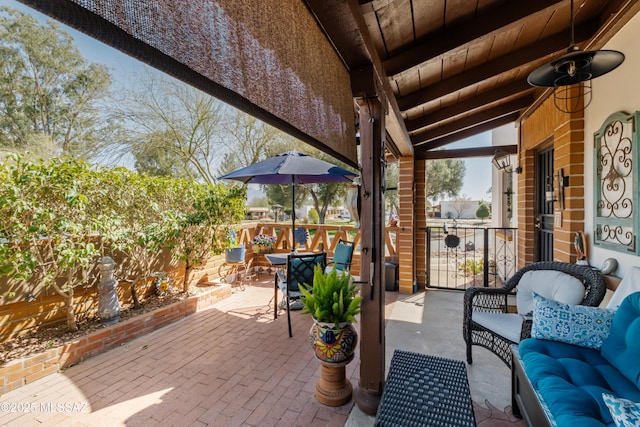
549	46
485	23
511	89
464	153
394	121
454	137
471	121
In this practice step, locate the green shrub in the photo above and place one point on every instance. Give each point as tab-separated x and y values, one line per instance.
483	211
313	216
473	267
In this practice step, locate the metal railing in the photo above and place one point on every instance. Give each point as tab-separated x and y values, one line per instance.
461	257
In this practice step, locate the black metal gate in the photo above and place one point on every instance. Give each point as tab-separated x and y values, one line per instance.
544	206
460	257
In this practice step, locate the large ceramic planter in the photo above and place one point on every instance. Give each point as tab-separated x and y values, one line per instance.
234	254
334	346
333	343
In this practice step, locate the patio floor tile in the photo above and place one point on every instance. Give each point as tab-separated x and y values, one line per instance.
230	365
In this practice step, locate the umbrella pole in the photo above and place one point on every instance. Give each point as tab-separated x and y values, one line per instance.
293	213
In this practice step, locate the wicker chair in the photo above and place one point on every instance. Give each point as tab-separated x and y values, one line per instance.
481	301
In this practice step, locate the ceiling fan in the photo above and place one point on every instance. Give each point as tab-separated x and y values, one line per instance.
576	67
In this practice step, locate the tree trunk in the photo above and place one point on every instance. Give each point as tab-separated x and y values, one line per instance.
71	316
188	268
67	297
134	293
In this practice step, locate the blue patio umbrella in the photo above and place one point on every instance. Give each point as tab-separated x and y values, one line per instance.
292	168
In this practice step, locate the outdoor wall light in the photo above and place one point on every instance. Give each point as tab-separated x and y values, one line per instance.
576	67
502	161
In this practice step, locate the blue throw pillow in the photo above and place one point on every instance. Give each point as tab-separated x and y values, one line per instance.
625	413
573	324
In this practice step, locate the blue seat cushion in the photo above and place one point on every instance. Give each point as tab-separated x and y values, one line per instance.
622	347
571	380
342	256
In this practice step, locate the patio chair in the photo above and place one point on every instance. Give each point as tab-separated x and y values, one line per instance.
342	255
488	322
299	270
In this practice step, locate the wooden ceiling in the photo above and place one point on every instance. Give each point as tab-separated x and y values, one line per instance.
455	68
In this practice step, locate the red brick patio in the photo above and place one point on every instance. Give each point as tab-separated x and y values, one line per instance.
231	365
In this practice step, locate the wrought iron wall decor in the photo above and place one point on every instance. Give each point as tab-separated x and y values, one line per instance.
616	184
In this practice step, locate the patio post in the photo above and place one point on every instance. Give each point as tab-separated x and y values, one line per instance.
372	341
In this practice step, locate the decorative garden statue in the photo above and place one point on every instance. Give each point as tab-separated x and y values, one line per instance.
352	204
108	305
581	249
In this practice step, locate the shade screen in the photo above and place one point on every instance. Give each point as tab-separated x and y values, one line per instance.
267	58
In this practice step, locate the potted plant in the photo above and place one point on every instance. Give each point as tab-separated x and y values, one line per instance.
234	250
263	243
333	303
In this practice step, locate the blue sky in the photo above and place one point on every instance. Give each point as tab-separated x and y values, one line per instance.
477	180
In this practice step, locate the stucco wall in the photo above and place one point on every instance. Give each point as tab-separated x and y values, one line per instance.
616	91
504	135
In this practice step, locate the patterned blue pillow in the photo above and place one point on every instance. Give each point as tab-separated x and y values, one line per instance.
625	413
574	324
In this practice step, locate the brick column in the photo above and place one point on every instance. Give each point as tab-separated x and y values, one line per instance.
549	126
526	209
405	246
569	159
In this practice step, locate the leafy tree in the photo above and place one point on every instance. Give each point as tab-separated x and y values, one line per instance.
47	230
49	95
132	213
444	178
152	157
460	205
178	122
483	211
259	202
281	195
325	195
202	222
392	199
249	140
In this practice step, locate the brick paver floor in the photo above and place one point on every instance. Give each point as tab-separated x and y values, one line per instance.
230	365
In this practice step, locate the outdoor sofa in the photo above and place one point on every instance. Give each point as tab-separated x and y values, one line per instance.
582	365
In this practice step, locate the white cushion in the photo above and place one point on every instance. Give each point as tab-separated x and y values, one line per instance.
551	284
628	285
507	325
